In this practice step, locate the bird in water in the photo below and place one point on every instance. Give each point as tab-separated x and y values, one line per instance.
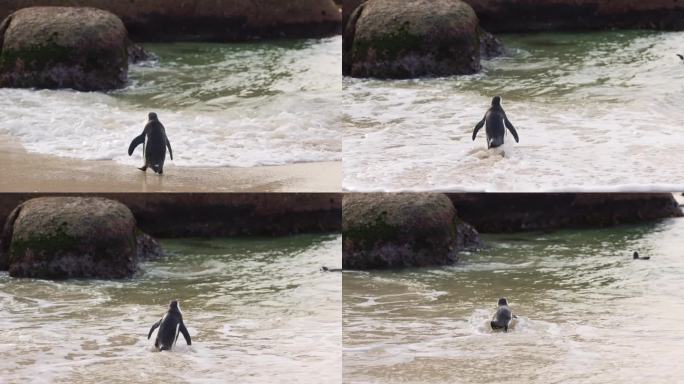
503	316
495	120
326	269
636	256
169	326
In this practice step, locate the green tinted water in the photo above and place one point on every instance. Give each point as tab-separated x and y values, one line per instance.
258	310
585	308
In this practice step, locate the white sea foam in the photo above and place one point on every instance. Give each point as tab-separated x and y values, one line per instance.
283	110
95	331
601	114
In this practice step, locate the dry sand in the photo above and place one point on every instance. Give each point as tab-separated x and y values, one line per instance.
21	171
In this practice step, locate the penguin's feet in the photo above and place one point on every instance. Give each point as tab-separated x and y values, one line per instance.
143	168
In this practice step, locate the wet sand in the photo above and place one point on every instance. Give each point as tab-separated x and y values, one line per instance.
28	172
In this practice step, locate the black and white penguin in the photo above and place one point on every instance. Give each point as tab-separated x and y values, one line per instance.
169	326
503	316
154	141
636	256
495	119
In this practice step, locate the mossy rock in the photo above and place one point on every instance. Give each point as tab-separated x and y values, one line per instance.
61	47
414	38
402	230
210	20
70	237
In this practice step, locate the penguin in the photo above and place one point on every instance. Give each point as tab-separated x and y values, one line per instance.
326	269
636	256
154	141
503	316
495	118
169	326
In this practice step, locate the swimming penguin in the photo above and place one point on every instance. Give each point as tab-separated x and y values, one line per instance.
636	256
154	143
326	269
169	326
503	316
495	118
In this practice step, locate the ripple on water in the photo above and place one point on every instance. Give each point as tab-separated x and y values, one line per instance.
587	313
281	321
237	105
589	114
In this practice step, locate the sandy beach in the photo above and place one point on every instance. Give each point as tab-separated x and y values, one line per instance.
28	172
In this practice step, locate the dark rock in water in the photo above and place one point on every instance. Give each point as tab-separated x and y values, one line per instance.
73	237
147	248
219	214
513	212
61	47
138	54
552	15
402	230
399	39
210	20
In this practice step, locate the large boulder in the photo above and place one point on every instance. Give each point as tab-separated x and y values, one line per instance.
545	15
61	47
402	230
220	214
414	38
210	20
513	212
71	237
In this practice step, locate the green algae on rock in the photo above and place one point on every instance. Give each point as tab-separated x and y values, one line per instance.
402	230
72	237
399	39
210	20
61	47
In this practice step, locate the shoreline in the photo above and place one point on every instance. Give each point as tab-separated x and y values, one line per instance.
30	172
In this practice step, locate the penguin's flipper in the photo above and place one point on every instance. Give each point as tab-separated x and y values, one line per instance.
680	57
137	141
168	145
154	326
185	333
512	129
477	127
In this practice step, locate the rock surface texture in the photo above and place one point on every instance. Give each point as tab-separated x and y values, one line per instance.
73	237
218	214
513	212
210	20
62	47
402	230
414	38
552	15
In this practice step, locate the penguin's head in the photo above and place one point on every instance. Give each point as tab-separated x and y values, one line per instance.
152	116
502	301
173	304
496	101
635	255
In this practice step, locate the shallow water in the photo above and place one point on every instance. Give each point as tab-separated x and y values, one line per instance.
258	310
594	111
237	105
587	312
